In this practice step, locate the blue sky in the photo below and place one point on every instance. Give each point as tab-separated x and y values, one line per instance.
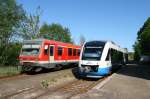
116	20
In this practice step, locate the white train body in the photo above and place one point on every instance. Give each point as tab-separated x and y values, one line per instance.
98	58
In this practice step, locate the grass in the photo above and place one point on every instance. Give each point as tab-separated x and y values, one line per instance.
6	71
56	80
45	83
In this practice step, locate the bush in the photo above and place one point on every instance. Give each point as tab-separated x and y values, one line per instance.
9	54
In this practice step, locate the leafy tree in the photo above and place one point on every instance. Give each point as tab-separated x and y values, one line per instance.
56	32
130	55
82	40
144	38
137	51
10	56
11	15
142	45
30	26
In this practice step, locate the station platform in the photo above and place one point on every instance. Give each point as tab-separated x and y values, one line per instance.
130	82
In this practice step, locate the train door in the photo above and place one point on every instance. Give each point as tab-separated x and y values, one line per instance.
51	54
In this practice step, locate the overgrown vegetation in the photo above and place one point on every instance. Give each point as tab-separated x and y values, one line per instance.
45	83
6	71
142	45
53	80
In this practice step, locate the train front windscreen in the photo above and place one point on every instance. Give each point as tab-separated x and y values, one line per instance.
31	48
93	50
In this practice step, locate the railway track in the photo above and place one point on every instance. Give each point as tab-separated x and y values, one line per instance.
13	77
21	85
78	87
71	89
65	91
61	91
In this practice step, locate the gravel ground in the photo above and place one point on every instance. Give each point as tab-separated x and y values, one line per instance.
15	85
130	82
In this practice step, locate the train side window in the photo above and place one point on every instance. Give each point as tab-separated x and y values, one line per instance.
74	52
78	52
60	50
46	50
108	56
116	56
69	51
113	56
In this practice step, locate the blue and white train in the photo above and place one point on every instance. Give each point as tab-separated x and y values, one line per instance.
99	58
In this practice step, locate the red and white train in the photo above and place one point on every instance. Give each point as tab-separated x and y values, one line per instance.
42	53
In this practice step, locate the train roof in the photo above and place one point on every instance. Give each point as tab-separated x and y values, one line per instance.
103	42
51	42
100	42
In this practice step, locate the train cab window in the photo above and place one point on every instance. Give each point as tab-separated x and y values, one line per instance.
69	51
78	52
60	50
74	52
46	50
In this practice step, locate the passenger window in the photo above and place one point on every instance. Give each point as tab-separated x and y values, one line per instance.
78	52
116	56
74	52
60	50
69	51
108	56
46	50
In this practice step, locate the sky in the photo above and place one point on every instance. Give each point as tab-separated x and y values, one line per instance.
115	20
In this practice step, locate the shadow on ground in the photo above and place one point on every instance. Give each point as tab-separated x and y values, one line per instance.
77	75
44	70
131	69
136	70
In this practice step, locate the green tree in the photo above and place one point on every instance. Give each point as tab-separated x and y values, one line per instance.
11	15
82	40
56	32
137	51
142	45
30	26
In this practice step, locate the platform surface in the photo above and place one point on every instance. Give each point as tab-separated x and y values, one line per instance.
130	82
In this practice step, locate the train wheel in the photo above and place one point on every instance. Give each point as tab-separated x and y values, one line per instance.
25	69
38	69
58	67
